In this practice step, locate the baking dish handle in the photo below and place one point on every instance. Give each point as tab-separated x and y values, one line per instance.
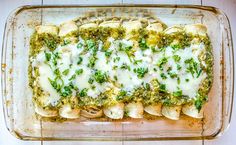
228	71
6	74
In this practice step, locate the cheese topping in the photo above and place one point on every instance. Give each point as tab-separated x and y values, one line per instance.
176	69
102	65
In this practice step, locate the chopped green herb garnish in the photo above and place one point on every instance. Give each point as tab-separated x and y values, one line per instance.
57	72
65	72
200	101
161	62
114	67
55	57
116	59
161	49
93	87
79	71
79	45
176	58
73	86
115	77
72	77
172	74
67	90
147	86
143	44
100	76
55	85
178	67
153	49
176	47
178	80
66	42
187	80
47	56
92	61
177	93
199	73
108	53
121	95
138	61
141	71
124	47
91	45
91	80
162	87
80	59
198	104
192	66
83	92
125	66
163	76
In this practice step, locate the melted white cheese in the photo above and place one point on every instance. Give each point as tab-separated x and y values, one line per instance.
189	88
82	80
45	73
126	78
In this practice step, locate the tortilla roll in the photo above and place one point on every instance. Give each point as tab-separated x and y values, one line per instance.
173	29
92	112
115	111
154	109
49	29
112	27
45	112
66	111
67	28
192	111
171	112
134	110
110	24
153	30
196	29
131	29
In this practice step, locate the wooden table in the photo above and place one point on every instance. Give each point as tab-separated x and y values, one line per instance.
228	6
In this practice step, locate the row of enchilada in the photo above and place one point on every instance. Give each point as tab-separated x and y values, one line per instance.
120	68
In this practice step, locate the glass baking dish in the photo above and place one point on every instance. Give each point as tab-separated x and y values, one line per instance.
22	122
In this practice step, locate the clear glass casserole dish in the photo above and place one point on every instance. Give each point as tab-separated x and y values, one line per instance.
20	117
